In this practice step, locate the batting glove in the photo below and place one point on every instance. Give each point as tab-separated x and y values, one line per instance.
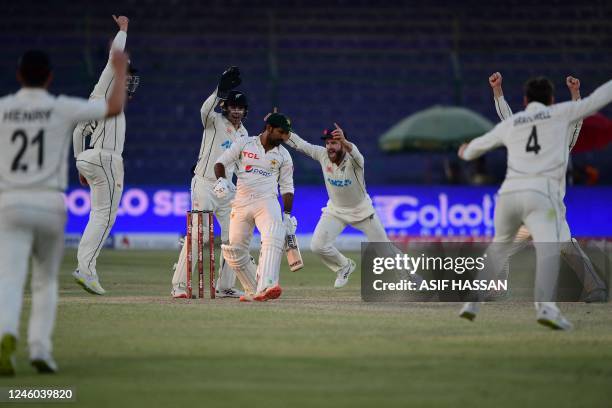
222	188
290	223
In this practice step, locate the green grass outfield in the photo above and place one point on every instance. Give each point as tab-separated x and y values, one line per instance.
314	347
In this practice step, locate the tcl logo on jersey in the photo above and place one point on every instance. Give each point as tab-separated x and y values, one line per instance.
250	155
255	170
227	144
339	183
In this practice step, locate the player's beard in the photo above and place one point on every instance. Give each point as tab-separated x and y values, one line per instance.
276	142
334	155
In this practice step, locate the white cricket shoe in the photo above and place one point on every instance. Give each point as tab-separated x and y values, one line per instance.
344	273
8	346
43	362
89	282
179	292
469	310
550	316
229	293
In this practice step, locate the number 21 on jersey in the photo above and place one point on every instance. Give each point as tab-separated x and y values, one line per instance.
20	137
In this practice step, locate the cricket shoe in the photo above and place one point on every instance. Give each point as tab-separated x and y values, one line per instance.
550	316
43	362
269	294
8	346
596	296
344	273
89	282
469	310
229	293
179	292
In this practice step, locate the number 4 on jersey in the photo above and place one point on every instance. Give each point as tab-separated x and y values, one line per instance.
532	142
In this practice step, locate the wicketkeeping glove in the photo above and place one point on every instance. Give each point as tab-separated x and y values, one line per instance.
229	80
290	223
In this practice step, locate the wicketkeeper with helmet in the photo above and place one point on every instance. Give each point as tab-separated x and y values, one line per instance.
221	130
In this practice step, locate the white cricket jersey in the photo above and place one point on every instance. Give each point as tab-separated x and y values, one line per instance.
537	140
345	183
106	134
504	112
260	174
219	134
35	136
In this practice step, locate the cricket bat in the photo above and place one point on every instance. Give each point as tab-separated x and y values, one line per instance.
294	257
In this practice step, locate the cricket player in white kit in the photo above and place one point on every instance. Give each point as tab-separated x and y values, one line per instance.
262	167
594	287
221	130
35	129
101	167
537	141
348	204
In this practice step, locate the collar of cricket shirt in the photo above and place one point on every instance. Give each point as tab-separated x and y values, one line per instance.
31	92
535	106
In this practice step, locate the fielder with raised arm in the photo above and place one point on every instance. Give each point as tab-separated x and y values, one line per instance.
101	168
35	131
348	204
221	130
594	287
262	167
537	141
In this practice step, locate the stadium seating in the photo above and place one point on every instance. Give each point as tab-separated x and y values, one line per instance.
365	64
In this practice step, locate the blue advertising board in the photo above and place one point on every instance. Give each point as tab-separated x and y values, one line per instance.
404	210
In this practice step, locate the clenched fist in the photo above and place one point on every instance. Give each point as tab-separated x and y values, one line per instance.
573	84
122	22
495	80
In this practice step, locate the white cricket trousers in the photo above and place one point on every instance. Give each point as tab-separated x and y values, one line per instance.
265	214
104	173
31	225
543	216
329	227
203	198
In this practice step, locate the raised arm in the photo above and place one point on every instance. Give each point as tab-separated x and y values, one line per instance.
299	144
102	87
479	146
81	110
230	78
351	149
501	106
573	84
208	107
584	107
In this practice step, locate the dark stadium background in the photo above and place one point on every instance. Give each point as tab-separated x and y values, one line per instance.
365	64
